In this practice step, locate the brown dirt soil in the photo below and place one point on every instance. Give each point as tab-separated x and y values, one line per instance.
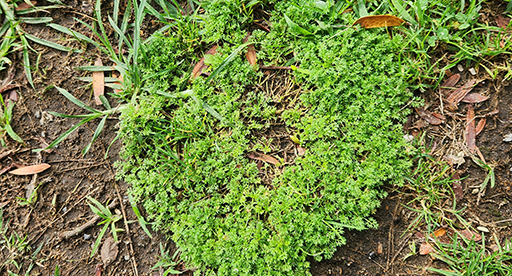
73	177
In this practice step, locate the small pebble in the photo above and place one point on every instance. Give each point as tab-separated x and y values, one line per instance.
64	209
126	257
475	191
372	255
38	114
459	66
43	134
87	237
472	71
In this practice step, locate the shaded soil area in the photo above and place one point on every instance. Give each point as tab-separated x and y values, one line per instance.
61	204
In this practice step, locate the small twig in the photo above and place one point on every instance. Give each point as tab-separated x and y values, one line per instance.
5	154
80	229
125	220
404	243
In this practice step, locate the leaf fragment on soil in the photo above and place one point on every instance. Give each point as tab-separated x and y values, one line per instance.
480	126
109	251
454	98
502	22
98	82
439	232
426	248
300	150
474	98
25	6
470	130
263	157
200	66
428	116
251	51
29	170
377	21
457	187
470	235
449	83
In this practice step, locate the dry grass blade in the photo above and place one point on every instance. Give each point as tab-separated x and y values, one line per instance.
377	21
198	69
29	170
454	98
449	83
471	130
428	116
263	157
474	98
98	82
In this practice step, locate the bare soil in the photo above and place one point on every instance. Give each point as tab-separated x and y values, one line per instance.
61	205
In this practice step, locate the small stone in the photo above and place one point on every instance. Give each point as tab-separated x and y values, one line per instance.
409	138
64	209
460	67
87	237
472	71
38	114
43	134
482	229
126	257
475	191
507	138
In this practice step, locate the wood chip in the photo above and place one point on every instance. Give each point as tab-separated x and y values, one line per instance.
29	170
98	82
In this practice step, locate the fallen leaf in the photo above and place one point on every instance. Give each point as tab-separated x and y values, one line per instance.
300	150
98	82
439	232
24	5
419	235
377	21
427	116
480	126
109	251
439	116
13	96
29	170
200	66
470	130
449	83
120	78
483	229
426	248
502	22
474	98
251	51
454	98
470	235
98	270
263	157
457	187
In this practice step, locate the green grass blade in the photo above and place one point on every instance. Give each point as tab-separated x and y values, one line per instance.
119	32
76	101
89	79
50	44
296	28
38	9
68	116
402	12
77	35
105	102
94	68
141	219
97	133
98	240
13	134
104	210
226	61
26	61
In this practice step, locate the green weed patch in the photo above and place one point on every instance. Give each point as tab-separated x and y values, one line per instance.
186	144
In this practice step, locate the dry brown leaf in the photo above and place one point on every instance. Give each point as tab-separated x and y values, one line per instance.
439	232
439	116
98	82
470	235
29	170
454	98
300	150
502	22
457	187
24	5
480	126
427	116
109	251
380	248
377	21
120	78
251	51
263	157
200	66
426	248
98	270
474	98
449	83
470	129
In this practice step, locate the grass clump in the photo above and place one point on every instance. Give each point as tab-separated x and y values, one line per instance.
186	144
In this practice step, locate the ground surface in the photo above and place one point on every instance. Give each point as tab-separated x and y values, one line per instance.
72	176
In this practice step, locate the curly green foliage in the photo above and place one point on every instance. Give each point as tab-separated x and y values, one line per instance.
191	172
